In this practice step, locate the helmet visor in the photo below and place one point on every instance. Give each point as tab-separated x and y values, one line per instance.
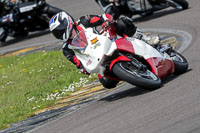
58	33
62	30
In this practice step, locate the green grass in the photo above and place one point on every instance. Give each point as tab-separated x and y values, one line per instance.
35	81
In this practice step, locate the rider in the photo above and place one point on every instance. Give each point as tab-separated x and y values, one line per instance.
108	7
63	27
7	5
46	10
127	7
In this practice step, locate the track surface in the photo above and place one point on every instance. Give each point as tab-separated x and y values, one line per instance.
174	108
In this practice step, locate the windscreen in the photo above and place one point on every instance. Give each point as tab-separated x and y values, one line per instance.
79	41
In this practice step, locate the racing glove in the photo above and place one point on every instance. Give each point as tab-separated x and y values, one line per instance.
80	66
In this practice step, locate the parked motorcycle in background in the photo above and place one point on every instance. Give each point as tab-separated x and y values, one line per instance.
139	7
25	17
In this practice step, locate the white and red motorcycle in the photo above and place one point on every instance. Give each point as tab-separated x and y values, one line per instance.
125	58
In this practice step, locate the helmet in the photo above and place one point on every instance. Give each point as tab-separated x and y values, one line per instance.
61	25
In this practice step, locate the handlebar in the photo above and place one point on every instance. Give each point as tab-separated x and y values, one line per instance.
104	27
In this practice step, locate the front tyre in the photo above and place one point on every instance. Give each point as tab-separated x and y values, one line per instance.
144	79
182	3
180	63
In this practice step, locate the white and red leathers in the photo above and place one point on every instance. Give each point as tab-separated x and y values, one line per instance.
120	27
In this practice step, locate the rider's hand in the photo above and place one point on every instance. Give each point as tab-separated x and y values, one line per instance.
82	70
80	66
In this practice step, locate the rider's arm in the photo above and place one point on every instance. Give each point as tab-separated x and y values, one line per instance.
69	54
124	25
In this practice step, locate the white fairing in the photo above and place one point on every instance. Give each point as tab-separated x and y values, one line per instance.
145	50
92	56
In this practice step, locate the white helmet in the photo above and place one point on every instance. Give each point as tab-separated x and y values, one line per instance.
61	25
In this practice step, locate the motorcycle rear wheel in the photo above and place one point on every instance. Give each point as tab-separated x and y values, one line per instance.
183	3
144	79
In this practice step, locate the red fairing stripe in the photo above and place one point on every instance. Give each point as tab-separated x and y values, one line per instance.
75	23
112	33
76	61
94	19
109	17
120	58
161	67
79	28
124	45
100	77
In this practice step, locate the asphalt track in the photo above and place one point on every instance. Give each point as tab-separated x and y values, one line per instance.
174	108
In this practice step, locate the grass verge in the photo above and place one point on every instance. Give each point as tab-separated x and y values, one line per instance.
35	81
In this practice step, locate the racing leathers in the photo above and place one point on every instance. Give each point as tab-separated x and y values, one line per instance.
122	26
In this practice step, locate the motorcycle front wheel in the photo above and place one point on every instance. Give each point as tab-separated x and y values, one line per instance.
180	63
182	3
129	73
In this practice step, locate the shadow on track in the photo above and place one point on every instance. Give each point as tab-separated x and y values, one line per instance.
172	77
136	91
131	92
23	38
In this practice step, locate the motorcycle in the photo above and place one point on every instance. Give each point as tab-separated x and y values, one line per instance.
26	17
143	7
127	59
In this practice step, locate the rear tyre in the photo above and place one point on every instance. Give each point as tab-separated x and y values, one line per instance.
144	79
183	3
180	63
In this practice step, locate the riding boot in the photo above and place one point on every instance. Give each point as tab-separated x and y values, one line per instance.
166	48
107	83
150	39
